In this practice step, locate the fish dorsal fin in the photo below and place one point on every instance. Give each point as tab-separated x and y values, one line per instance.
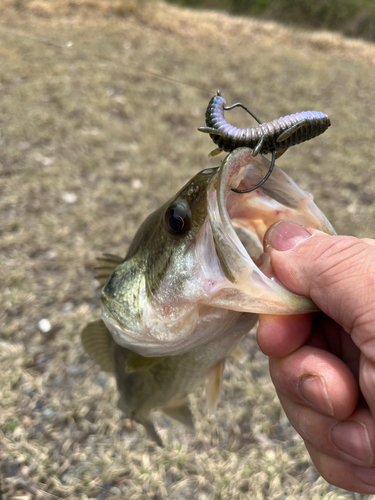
137	363
109	264
181	412
214	385
95	339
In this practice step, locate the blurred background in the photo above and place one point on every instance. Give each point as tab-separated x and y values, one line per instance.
354	18
92	141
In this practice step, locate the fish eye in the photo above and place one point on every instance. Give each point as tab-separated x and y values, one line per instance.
177	218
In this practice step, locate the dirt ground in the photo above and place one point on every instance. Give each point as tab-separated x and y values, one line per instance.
90	143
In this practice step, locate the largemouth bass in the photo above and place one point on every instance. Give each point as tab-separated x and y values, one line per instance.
191	285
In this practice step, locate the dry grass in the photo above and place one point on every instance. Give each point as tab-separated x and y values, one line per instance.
88	148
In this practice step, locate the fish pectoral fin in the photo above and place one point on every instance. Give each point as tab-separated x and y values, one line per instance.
96	339
181	413
101	277
137	363
214	385
238	354
103	272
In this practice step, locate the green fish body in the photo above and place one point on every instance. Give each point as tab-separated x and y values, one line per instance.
191	285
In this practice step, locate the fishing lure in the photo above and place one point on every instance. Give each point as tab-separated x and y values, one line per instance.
272	137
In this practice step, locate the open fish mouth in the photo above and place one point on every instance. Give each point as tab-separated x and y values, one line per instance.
239	223
171	295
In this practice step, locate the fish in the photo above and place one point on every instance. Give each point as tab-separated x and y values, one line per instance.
191	286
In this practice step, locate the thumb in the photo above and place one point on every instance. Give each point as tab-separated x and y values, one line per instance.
336	272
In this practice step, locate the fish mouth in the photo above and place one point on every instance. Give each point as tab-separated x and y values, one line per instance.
221	279
239	223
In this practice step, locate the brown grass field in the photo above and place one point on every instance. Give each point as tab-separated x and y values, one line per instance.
89	145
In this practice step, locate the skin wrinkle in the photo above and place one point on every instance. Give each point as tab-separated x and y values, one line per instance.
364	329
299	418
306	419
323	300
321	249
347	312
303	419
363	347
303	423
346	253
367	300
364	316
333	278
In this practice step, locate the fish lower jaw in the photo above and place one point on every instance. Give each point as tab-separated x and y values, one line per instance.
116	329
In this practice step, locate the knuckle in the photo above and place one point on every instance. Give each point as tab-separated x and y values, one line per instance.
343	275
339	258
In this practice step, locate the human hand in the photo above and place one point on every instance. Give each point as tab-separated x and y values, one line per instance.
323	364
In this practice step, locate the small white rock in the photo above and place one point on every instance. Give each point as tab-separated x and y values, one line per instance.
44	325
69	197
136	183
353	207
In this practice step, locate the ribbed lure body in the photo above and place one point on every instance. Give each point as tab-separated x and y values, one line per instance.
307	125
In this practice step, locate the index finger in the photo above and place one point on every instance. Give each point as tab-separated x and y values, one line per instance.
279	336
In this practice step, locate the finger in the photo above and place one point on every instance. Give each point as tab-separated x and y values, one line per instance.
279	336
352	439
328	335
341	473
315	378
369	241
367	382
337	272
